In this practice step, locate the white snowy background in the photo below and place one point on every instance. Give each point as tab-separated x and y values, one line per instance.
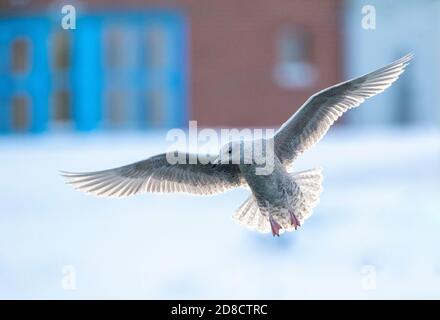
375	233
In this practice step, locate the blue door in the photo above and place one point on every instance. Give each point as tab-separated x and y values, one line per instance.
129	71
24	77
123	70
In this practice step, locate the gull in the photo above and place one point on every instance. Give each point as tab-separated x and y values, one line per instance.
279	201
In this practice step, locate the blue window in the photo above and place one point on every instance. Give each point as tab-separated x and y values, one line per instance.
113	71
24	79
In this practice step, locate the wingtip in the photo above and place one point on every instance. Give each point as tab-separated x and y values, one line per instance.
69	177
407	58
67	174
63	173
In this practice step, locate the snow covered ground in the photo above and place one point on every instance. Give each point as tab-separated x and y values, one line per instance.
375	233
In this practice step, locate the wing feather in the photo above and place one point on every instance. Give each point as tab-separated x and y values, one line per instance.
312	121
157	175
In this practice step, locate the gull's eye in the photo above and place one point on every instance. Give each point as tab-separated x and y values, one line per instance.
230	151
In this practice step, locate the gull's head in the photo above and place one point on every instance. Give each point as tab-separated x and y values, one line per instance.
235	152
231	152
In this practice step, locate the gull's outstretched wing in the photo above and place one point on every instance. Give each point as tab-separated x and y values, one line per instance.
312	121
157	175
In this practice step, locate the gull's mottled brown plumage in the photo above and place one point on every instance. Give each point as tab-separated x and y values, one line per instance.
280	201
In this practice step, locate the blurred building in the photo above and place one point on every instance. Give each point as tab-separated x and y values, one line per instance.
156	64
400	28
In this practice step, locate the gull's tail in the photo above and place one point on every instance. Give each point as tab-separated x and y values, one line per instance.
310	185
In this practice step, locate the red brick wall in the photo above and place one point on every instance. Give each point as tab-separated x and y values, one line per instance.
232	53
233	56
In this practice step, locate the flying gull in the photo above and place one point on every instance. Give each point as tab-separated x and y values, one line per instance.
279	201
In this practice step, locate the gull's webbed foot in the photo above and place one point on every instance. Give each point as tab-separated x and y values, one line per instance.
275	226
294	220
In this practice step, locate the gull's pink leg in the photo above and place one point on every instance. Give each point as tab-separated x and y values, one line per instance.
274	226
294	220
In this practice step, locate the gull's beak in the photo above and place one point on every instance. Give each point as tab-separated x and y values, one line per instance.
216	162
